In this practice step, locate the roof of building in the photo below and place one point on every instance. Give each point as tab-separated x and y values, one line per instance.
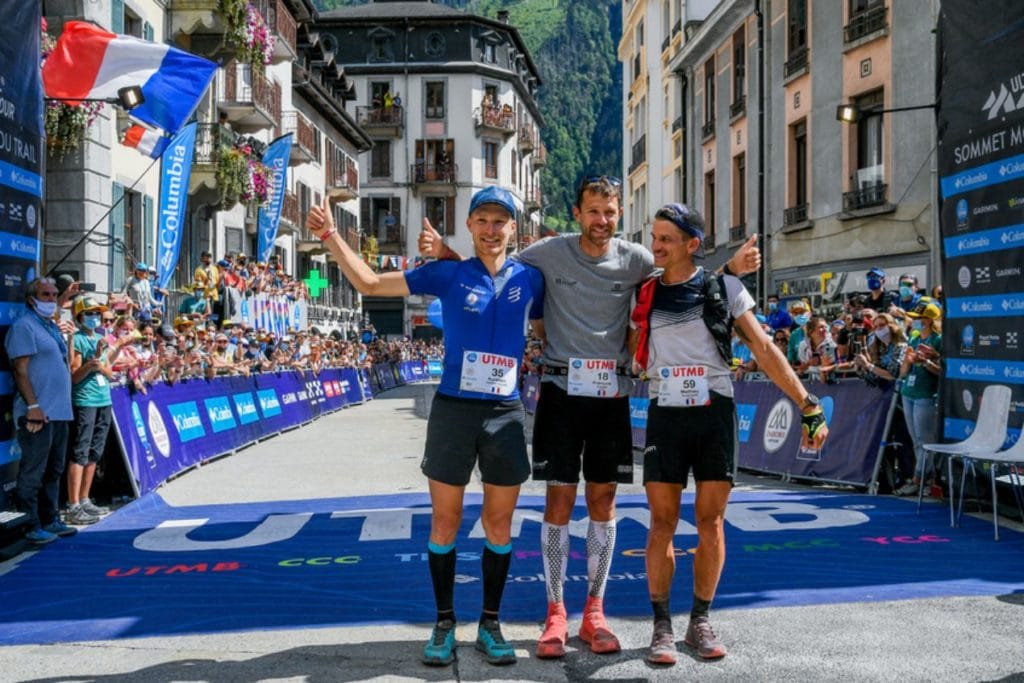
394	9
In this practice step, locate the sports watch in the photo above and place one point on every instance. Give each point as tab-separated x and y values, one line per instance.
811	401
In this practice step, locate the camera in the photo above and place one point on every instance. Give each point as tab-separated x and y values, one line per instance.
86	286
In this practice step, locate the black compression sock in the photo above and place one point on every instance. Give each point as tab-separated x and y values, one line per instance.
700	608
494	566
661	610
442	572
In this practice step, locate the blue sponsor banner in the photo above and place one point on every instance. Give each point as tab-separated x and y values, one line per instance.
175	170
435	367
219	411
165	431
746	413
994	173
17	178
246	408
997	239
276	159
989	306
18	246
988	371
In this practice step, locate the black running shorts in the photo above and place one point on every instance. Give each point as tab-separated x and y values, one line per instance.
572	430
701	438
462	432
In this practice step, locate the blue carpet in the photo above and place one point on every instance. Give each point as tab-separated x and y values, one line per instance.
152	570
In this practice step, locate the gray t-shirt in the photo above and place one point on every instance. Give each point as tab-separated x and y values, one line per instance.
47	366
587	299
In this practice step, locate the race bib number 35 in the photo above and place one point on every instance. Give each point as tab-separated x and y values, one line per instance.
683	385
592	377
488	373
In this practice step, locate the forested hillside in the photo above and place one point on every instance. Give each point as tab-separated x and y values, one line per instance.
574	46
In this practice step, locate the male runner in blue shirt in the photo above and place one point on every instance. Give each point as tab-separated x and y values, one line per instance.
476	416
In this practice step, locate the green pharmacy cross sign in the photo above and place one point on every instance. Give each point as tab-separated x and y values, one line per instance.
315	283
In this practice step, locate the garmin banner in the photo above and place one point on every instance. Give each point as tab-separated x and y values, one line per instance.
980	120
768	428
276	159
21	193
175	170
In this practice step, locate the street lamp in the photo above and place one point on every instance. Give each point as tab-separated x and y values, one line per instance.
127	98
851	113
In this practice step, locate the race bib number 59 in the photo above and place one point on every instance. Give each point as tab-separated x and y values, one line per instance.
488	373
683	385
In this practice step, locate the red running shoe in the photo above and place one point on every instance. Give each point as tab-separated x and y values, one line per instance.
594	630
556	632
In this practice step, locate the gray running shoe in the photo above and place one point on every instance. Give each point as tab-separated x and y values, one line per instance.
94	509
663	645
702	638
77	515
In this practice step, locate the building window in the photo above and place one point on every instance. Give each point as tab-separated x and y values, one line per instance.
709	208
490	159
799	163
739	196
859	6
709	98
378	89
380	159
870	168
435	100
739	67
797	26
440	211
490	53
515	168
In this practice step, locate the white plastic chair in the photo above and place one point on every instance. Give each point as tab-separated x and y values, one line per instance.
1012	456
987	438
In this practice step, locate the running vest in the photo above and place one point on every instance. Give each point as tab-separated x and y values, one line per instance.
715	314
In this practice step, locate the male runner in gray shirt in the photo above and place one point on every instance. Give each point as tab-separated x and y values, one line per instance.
582	417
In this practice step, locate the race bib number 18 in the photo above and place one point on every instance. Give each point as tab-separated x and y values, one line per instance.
488	373
592	377
683	385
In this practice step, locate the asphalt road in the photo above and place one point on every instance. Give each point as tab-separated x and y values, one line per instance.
951	639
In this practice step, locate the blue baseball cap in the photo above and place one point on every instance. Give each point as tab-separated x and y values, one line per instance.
876	272
493	195
683	217
141	266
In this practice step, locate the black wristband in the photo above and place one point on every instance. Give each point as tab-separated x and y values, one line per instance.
727	270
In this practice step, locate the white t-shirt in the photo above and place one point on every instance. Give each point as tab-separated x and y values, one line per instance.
679	336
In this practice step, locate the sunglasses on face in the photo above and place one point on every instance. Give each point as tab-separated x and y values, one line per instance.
598	179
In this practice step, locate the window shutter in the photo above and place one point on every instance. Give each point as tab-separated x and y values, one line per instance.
147	31
148	236
449	215
117	238
117	16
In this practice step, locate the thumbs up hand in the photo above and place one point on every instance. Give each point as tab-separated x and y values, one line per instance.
319	219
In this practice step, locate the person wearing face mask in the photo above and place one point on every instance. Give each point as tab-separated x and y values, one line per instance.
920	371
817	350
908	296
42	410
90	378
879	299
801	312
880	362
778	317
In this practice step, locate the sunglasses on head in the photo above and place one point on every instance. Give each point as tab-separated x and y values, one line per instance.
597	179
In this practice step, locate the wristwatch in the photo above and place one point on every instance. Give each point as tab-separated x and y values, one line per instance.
810	401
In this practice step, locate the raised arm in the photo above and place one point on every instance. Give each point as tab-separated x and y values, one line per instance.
320	223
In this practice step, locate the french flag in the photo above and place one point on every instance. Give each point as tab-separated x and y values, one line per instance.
91	63
149	142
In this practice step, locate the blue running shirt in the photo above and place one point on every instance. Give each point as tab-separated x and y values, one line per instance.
480	313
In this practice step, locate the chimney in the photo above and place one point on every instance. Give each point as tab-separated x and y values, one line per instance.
503	16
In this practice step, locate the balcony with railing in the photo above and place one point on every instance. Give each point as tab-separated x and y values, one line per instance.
738	108
210	139
738	233
532	200
795	215
439	176
865	24
527	137
493	118
797	62
639	155
306	142
382	121
540	156
284	27
342	177
250	101
199	26
866	197
708	129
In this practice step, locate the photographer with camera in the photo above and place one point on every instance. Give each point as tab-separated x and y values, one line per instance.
817	351
920	372
879	363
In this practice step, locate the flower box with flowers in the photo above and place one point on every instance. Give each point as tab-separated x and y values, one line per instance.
248	32
242	177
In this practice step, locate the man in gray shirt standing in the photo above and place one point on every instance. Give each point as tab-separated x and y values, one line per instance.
582	419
